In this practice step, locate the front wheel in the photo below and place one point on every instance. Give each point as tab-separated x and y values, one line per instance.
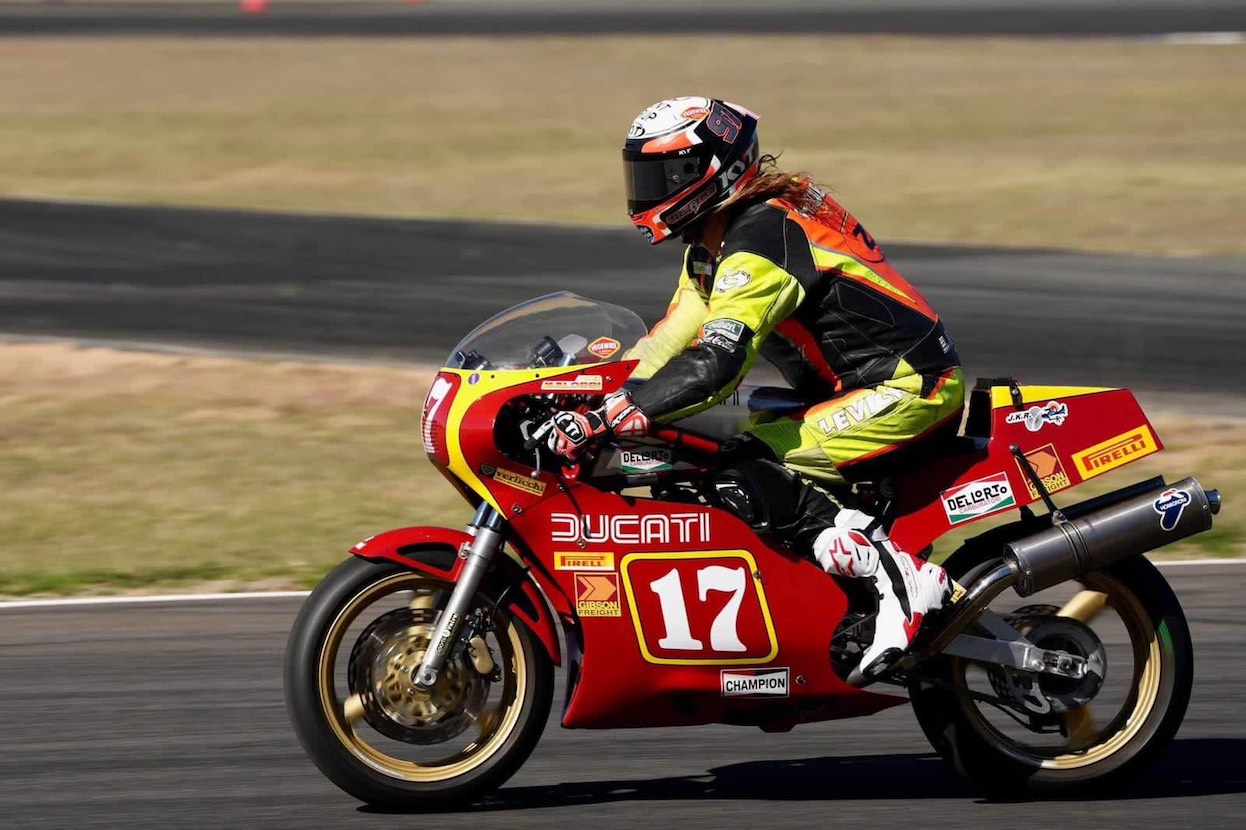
351	657
1016	735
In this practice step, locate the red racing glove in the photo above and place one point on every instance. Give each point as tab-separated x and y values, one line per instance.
568	432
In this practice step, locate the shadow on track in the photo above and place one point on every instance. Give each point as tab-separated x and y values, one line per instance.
1194	767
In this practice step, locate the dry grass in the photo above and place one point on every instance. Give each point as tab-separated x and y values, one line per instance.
1079	143
129	471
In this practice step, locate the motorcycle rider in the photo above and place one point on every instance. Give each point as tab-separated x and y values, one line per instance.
775	266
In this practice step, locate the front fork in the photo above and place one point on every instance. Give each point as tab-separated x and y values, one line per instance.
486	528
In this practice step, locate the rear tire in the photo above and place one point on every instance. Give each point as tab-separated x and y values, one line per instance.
1161	682
317	708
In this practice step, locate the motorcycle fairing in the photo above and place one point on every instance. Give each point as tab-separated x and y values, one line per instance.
593	553
469	419
434	551
671	600
1071	438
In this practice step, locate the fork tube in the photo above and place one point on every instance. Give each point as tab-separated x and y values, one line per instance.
488	524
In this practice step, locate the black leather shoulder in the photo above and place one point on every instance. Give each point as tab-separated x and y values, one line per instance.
759	229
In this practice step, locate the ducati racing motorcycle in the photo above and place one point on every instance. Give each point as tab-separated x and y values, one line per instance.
420	672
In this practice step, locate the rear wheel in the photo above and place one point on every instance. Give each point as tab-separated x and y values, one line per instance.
1055	735
350	661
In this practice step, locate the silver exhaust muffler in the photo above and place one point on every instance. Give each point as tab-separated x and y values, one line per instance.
1103	531
1102	537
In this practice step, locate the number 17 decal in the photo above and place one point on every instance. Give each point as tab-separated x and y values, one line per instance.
703	607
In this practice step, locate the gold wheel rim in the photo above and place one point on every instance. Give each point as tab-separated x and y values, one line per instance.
1137	708
499	728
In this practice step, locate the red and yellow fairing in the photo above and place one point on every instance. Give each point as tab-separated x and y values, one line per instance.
1104	429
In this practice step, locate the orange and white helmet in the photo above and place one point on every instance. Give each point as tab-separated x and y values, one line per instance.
683	158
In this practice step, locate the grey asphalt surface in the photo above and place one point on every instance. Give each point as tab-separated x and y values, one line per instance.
676	17
409	289
171	715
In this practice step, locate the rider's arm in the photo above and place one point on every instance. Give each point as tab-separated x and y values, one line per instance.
673	333
751	295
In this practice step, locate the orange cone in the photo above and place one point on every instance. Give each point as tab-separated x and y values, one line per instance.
253	6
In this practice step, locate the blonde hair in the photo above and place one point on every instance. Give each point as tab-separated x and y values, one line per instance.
773	183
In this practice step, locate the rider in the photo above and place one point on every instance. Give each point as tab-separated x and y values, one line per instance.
775	266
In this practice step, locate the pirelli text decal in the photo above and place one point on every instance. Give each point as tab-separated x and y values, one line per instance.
1115	452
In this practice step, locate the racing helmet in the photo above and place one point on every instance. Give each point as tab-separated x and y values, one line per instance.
683	158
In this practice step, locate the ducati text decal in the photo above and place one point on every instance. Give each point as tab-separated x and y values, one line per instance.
650	529
1115	452
597	595
1170	505
583	561
977	498
1046	465
1036	417
754	682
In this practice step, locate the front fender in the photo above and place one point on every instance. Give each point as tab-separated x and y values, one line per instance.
435	551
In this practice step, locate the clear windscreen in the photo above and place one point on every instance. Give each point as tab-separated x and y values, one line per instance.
560	329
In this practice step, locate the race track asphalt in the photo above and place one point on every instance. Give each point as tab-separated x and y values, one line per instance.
399	290
150	717
369	18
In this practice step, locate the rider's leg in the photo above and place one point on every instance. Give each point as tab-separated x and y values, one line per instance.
855	427
773	499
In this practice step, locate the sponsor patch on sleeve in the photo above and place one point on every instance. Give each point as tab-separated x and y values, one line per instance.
732	280
723	333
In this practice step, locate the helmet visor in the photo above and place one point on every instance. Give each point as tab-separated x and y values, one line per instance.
651	181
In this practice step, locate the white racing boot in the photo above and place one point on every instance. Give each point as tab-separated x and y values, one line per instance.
908	589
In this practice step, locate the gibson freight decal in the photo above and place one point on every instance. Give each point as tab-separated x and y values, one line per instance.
977	498
1046	464
583	561
754	682
1115	452
597	595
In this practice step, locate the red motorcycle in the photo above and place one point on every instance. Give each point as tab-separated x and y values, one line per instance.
420	672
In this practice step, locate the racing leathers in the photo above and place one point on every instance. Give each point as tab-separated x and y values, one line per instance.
815	296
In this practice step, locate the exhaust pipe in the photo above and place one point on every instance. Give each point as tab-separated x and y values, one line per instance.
1107	529
1102	537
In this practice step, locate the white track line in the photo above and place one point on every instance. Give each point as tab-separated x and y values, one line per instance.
138	600
160	598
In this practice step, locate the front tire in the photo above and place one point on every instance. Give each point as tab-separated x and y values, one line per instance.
375	735
1093	757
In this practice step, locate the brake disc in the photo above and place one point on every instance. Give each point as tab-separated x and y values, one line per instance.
382	669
